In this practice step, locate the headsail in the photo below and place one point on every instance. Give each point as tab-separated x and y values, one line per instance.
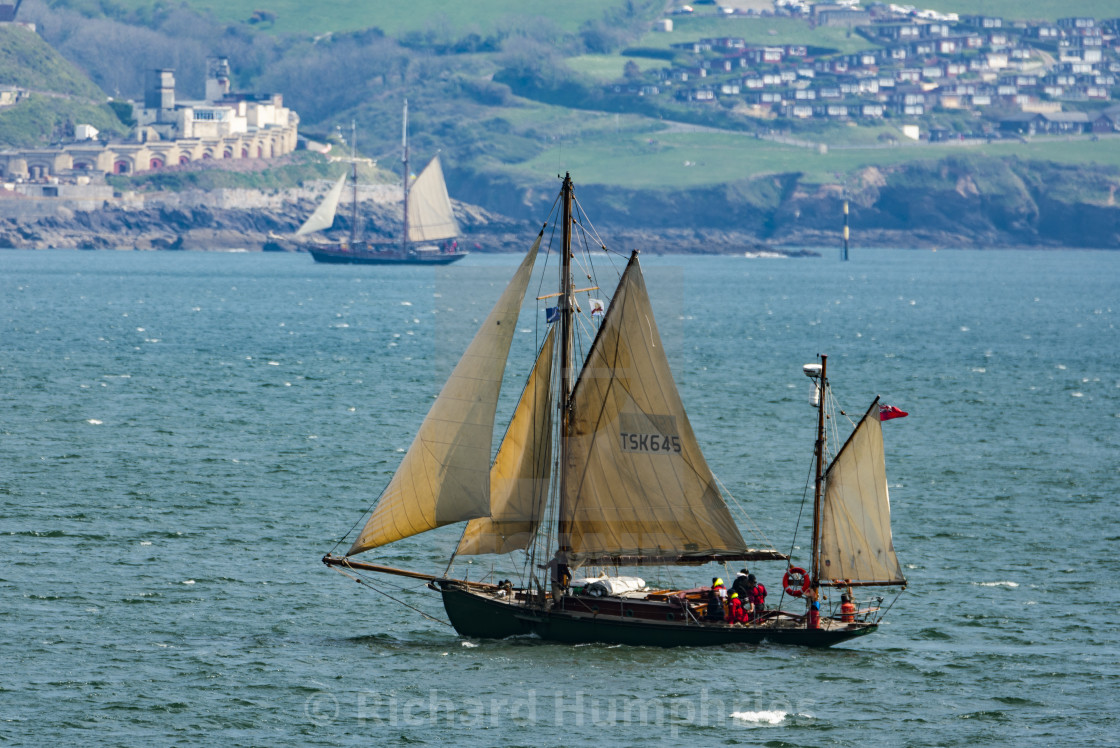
519	477
430	217
323	216
855	532
638	488
445	475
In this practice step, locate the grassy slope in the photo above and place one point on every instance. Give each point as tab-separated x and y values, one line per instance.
754	31
27	61
394	18
691	159
33	122
1048	10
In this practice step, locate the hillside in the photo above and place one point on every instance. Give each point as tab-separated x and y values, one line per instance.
511	100
60	95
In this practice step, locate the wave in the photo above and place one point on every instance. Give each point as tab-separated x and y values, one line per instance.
772	717
996	584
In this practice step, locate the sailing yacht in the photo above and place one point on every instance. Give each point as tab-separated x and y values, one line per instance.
616	481
429	227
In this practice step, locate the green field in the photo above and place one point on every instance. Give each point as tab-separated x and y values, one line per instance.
395	18
693	159
608	68
28	62
1050	10
755	31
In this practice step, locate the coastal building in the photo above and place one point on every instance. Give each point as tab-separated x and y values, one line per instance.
170	132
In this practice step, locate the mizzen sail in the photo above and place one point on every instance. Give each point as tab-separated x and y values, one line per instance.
445	475
855	532
519	477
323	216
430	217
638	488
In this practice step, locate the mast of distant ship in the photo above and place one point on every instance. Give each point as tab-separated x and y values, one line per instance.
563	523
404	158
354	179
844	252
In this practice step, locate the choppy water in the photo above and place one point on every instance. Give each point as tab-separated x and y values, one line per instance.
184	435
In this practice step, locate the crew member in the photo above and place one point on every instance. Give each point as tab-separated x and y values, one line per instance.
847	609
740	584
756	594
814	621
735	611
558	567
715	600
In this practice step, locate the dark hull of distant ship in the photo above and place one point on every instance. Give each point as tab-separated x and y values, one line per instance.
375	255
610	620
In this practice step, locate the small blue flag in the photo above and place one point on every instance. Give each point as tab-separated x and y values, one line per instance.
552	314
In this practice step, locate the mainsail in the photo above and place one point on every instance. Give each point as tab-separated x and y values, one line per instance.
638	490
429	208
519	477
445	475
855	530
323	216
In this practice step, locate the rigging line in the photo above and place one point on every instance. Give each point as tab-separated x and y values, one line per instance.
366	583
754	526
888	610
800	511
598	239
368	510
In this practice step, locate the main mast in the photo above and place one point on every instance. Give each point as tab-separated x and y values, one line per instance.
404	183
822	389
563	523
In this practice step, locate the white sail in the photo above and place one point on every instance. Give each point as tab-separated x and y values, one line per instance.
430	217
323	216
519	477
445	475
855	532
638	490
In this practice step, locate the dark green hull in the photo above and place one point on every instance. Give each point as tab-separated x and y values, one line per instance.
479	615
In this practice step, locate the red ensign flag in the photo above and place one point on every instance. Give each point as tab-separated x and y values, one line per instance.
887	412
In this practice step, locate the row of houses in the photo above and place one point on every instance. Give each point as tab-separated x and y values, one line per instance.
971	62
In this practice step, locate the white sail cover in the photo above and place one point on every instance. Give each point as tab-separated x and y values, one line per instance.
323	216
429	208
445	475
855	532
519	477
638	490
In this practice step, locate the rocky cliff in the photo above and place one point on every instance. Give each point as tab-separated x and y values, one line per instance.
955	202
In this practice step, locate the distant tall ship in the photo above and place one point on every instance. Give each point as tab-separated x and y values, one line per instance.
429	231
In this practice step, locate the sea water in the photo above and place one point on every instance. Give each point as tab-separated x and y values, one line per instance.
184	435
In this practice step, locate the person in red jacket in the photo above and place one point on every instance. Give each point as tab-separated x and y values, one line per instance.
736	613
756	594
847	609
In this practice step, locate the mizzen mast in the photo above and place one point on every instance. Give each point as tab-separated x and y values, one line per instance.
820	375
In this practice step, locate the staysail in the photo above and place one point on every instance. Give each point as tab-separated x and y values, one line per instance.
323	216
519	477
855	532
638	488
430	217
445	475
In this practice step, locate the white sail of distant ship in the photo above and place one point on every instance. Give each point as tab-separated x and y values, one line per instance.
323	217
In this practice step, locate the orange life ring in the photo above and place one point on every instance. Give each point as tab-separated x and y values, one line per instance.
797	573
